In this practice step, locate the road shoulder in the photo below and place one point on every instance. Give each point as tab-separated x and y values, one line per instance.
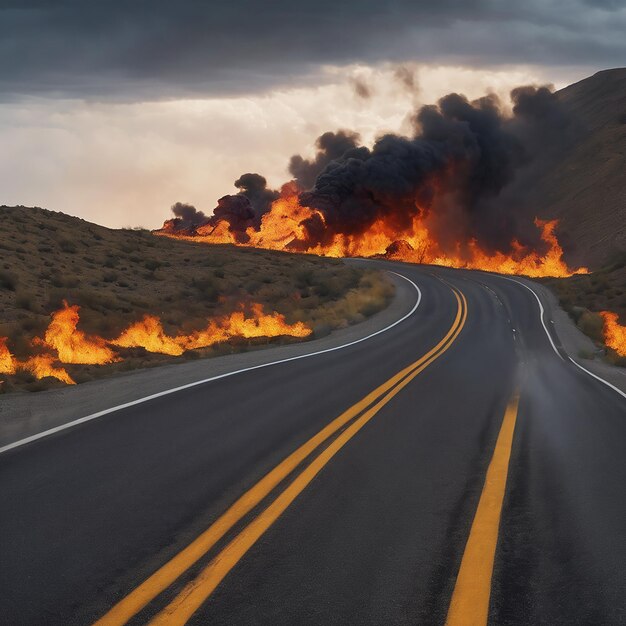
25	414
574	342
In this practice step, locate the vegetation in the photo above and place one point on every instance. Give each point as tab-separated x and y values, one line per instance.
117	276
583	296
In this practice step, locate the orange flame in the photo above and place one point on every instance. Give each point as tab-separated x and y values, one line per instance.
73	345
614	332
282	229
149	333
41	366
237	325
7	360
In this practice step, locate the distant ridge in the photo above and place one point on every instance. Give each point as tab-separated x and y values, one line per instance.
585	188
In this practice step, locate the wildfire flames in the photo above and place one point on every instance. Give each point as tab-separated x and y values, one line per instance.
614	332
40	365
287	224
458	189
7	360
71	344
149	333
64	343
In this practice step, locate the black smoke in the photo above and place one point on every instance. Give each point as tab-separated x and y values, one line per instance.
254	187
457	171
465	170
246	208
186	218
237	211
330	147
240	211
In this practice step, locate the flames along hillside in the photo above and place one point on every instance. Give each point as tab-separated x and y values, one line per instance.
454	191
597	304
80	301
533	186
537	191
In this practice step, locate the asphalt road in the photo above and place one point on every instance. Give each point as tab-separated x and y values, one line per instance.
369	527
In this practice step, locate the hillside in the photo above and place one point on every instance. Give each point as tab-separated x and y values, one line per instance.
117	277
584	186
585	296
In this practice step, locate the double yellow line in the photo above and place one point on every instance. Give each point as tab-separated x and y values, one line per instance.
194	594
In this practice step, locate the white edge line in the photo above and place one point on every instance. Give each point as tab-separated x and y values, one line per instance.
584	369
93	416
541	313
606	382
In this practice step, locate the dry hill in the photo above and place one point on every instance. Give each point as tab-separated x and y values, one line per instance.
584	186
118	276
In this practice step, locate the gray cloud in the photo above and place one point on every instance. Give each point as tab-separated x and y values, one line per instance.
153	49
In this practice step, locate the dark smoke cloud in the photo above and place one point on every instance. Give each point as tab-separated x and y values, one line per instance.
458	171
240	210
330	146
186	218
254	187
465	171
541	119
237	212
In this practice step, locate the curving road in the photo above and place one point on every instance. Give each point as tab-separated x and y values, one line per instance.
348	487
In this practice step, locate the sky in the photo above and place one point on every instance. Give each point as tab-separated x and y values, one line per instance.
115	110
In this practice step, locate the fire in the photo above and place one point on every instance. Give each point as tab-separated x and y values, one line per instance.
7	360
42	365
64	342
71	344
238	325
149	333
284	228
614	332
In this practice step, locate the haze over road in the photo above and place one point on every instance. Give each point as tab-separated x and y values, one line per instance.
383	518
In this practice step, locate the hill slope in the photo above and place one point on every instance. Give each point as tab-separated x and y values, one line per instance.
585	185
119	276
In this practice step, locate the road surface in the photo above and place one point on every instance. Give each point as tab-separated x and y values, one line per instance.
456	468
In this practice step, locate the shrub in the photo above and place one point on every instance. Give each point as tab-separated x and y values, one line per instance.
26	301
152	265
8	281
68	246
591	324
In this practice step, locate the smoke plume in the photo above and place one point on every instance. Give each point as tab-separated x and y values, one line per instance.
240	210
254	187
455	171
464	172
331	147
186	218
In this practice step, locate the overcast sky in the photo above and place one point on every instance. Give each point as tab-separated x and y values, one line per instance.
115	110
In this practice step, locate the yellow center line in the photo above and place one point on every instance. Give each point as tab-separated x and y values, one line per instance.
195	593
137	599
469	605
